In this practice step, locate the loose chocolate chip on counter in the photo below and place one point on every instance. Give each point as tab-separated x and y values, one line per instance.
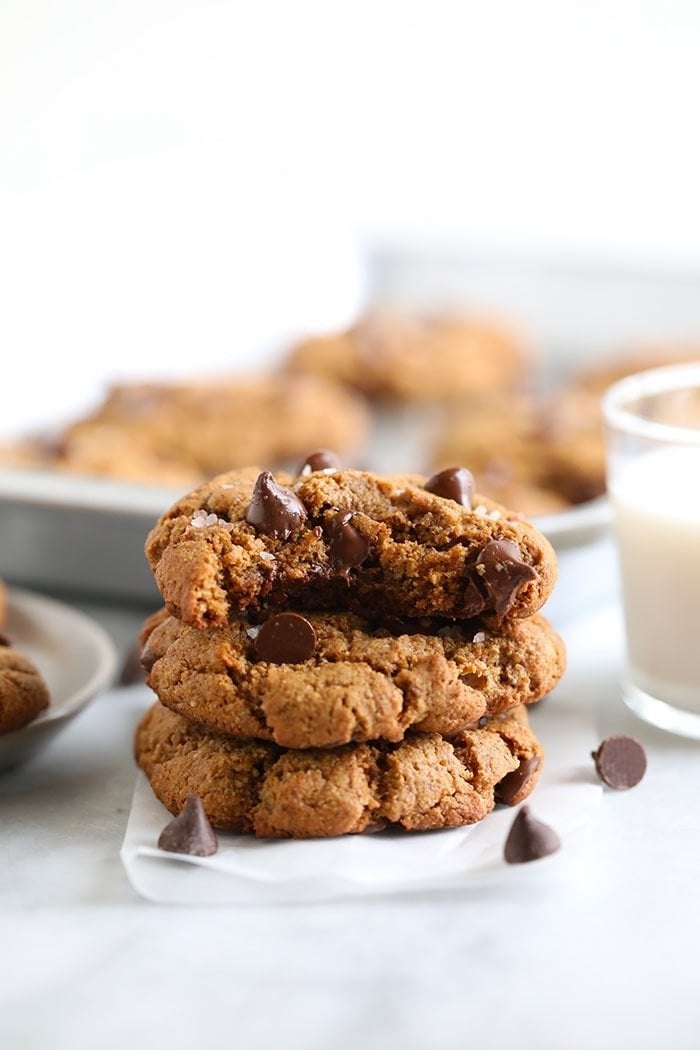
323	460
5	641
286	638
273	509
455	483
347	548
529	839
503	572
190	831
508	791
621	762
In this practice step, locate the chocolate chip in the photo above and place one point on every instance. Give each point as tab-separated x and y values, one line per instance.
347	548
504	573
510	789
472	602
621	762
479	723
323	460
5	641
148	658
455	483
529	839
286	638
273	509
190	831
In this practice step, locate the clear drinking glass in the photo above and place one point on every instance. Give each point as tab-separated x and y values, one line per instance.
653	444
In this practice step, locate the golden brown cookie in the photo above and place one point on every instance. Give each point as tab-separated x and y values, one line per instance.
395	356
326	679
538	456
424	782
347	539
23	692
175	435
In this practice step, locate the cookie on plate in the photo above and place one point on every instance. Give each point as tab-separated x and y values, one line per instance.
424	782
399	357
538	456
343	540
208	427
23	692
327	679
176	435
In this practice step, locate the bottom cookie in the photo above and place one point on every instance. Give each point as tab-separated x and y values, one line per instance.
425	782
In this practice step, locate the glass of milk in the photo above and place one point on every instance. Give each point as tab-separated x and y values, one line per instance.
653	444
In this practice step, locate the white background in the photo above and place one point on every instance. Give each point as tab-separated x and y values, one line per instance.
185	183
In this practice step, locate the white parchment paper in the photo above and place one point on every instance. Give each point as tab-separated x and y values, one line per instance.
246	870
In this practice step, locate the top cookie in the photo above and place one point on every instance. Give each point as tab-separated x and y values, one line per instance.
407	358
346	539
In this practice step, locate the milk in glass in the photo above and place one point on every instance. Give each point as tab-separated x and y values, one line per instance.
656	496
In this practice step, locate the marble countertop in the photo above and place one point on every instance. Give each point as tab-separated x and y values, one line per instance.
596	950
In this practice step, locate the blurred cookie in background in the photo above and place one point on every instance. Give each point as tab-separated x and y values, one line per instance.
23	692
391	356
539	456
175	434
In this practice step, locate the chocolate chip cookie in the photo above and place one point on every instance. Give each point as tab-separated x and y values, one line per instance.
347	540
23	692
425	782
392	356
177	434
538	456
326	679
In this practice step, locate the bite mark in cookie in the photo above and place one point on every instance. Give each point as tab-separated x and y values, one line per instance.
345	540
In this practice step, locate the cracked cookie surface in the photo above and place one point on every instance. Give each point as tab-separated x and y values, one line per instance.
425	782
345	539
359	682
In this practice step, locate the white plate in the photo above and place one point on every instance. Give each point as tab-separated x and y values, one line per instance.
75	656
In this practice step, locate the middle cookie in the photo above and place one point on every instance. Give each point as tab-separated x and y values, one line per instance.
326	679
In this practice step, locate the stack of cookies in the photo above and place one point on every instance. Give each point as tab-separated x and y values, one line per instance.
342	652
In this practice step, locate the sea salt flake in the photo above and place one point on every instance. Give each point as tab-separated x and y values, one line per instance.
253	632
201	520
266	556
480	636
481	510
